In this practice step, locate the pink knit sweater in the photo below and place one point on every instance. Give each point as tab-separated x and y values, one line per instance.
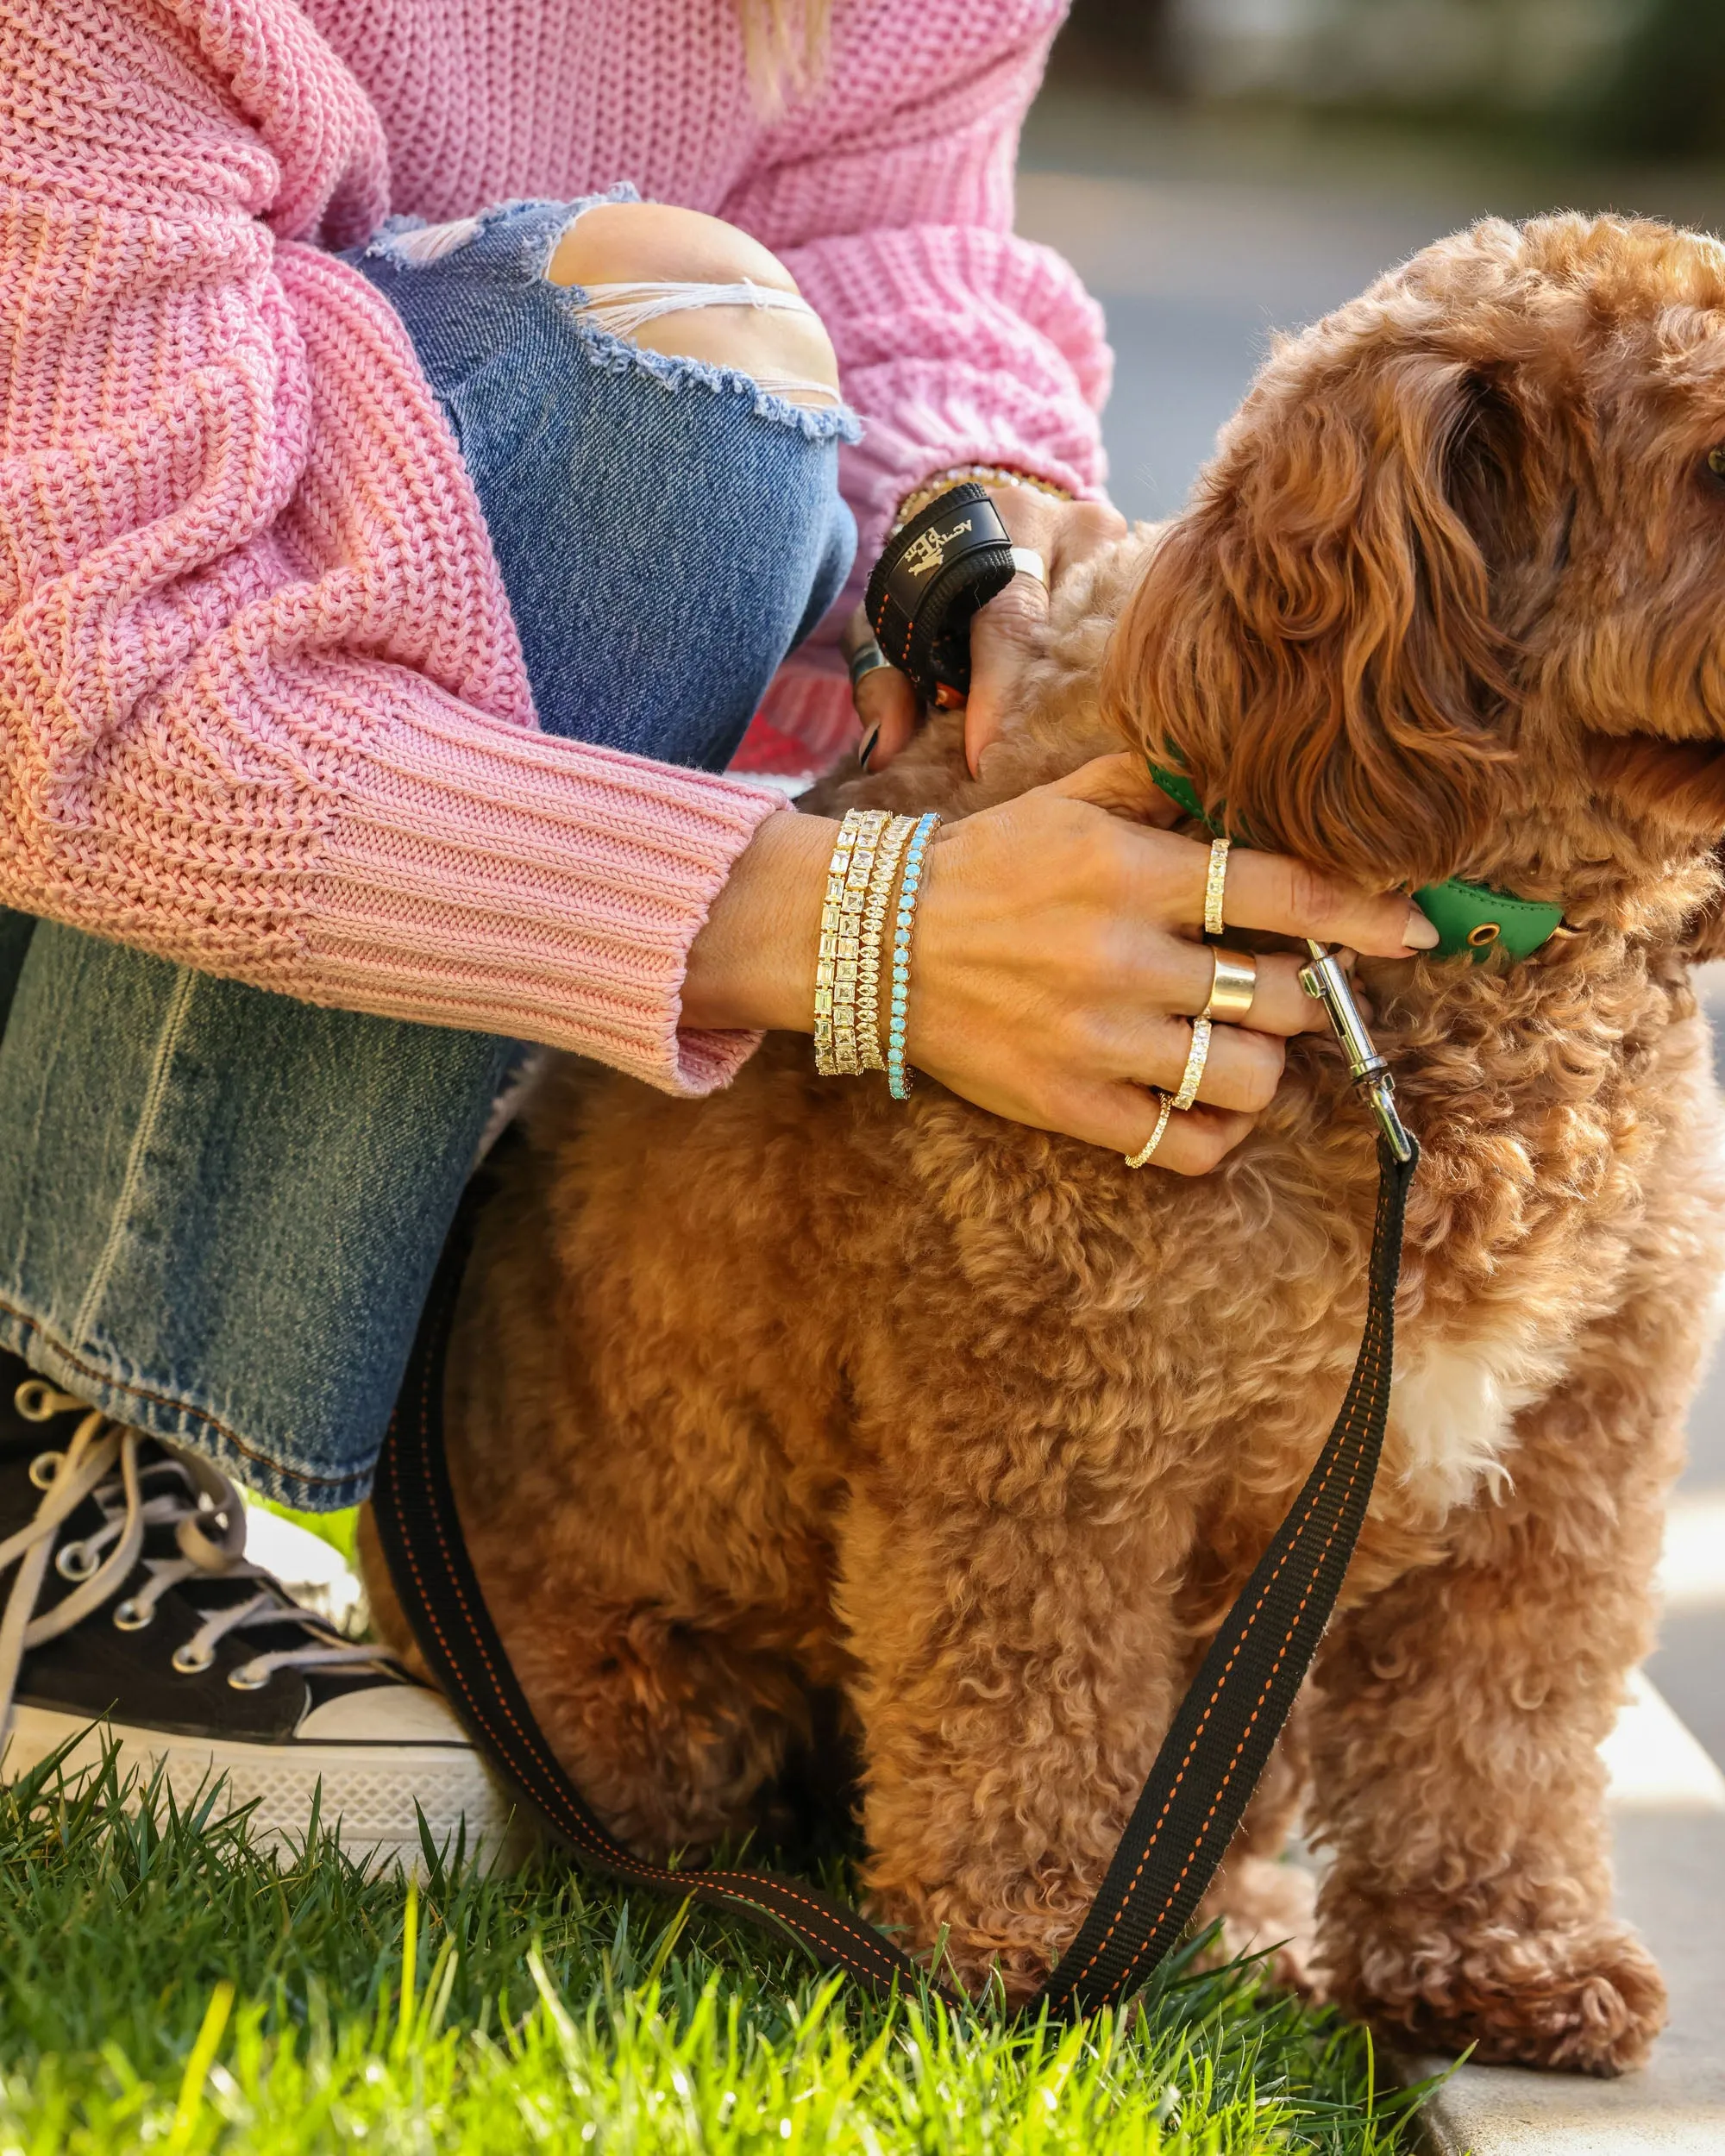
263	707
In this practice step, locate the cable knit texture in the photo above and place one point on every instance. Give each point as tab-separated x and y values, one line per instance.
263	707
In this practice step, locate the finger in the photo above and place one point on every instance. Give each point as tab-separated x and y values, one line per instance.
1122	785
1084	529
1270	891
1242	1069
1064	533
887	712
1119	1117
1000	645
1192	1144
1185	972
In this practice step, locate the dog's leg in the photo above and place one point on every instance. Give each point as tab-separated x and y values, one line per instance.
662	1600
670	1721
1455	1761
1017	1673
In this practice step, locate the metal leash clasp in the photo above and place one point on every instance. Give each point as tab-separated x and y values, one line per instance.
1324	979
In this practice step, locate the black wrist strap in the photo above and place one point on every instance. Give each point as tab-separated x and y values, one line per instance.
1202	1777
950	558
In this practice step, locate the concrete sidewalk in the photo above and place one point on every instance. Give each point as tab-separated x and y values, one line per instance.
1671	1885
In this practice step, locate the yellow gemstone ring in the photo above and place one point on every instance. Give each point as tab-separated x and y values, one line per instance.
1193	1076
1215	885
1141	1158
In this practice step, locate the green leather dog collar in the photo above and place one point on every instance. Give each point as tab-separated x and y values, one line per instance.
1471	919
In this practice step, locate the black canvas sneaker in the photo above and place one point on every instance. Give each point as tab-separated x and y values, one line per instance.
130	1605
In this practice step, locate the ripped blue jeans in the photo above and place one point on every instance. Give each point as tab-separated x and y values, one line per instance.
220	1209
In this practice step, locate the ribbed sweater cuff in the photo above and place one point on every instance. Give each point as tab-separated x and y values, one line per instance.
488	878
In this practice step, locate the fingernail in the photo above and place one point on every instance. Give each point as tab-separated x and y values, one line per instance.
1420	932
868	750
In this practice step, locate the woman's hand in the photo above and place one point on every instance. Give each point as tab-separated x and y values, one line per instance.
1055	966
1064	534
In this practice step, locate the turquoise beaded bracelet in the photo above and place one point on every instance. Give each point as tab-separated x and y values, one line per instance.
898	1076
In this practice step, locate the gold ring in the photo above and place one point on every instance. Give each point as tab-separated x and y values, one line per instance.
1139	1159
1233	983
1193	1076
1214	884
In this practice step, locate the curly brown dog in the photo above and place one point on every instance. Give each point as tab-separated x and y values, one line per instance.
796	1387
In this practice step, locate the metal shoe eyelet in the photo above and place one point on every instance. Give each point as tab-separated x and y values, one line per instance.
35	1400
73	1562
244	1680
45	1467
132	1616
192	1660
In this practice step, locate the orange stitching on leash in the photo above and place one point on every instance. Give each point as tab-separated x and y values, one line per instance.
1198	1840
1374	1341
540	1781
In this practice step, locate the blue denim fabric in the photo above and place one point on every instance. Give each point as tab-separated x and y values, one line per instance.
220	1209
621	612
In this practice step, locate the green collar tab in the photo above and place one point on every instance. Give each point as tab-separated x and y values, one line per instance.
1471	919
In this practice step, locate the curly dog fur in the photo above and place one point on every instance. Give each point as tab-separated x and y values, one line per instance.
792	1388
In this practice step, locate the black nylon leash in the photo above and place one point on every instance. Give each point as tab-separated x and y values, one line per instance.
414	1504
1203	1775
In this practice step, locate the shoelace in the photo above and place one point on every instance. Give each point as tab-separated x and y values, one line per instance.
101	1462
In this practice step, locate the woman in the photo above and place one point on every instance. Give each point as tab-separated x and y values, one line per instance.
373	629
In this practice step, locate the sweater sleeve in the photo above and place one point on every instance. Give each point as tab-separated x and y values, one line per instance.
958	341
262	710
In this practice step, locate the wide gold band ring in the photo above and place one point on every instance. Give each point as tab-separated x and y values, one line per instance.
1141	1158
1233	983
1193	1076
1215	887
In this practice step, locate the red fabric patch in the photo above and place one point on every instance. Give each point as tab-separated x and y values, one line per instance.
767	747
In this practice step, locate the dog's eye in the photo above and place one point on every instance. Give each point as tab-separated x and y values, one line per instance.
1715	462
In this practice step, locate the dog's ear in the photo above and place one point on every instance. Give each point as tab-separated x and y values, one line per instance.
1315	638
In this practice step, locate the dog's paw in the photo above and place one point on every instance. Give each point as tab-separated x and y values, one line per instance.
1266	1908
1586	2000
1007	1952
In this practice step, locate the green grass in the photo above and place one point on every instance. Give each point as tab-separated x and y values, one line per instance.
165	1985
341	1529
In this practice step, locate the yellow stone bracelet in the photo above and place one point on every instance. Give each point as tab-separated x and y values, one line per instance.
852	863
888	852
956	474
826	959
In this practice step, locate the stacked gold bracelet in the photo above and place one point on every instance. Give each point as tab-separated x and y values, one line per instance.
888	852
996	475
841	942
861	880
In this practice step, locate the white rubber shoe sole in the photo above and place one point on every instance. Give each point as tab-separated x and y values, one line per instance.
369	1791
